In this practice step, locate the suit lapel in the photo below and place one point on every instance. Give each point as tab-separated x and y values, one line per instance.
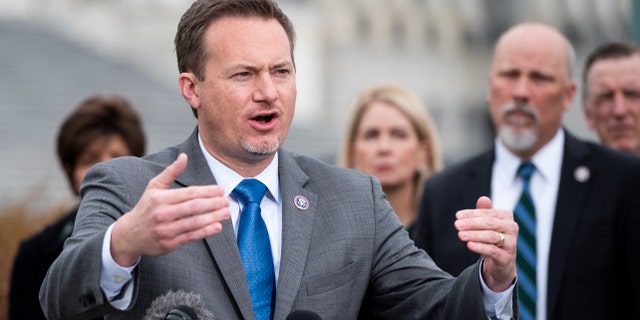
479	178
571	200
224	250
223	246
297	225
476	180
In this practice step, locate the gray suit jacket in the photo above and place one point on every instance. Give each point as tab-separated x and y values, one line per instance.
346	256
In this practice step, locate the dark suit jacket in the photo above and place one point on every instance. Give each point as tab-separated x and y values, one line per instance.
32	261
346	256
594	258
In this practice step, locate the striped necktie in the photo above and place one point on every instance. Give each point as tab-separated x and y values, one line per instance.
255	248
525	216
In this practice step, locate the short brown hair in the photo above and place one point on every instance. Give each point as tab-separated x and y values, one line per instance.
96	117
190	50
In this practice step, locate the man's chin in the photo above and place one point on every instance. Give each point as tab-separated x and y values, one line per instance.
263	148
518	138
624	146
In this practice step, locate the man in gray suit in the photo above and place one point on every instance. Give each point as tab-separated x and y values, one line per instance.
168	221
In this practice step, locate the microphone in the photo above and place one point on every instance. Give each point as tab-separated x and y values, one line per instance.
303	315
181	312
178	305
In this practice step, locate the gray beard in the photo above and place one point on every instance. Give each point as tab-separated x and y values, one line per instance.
518	142
263	149
522	140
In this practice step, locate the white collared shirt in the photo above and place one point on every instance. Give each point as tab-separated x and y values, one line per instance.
271	208
506	188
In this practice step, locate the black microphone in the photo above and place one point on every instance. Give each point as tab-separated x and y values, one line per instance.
181	312
303	315
178	305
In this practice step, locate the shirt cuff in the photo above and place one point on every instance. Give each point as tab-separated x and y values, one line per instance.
113	277
497	304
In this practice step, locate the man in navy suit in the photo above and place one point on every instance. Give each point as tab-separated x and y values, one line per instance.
586	197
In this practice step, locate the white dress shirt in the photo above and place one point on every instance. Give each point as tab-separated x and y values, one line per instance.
506	188
271	208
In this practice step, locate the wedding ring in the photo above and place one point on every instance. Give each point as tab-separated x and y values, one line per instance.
501	242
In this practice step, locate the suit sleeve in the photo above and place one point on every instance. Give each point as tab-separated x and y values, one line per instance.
71	289
405	281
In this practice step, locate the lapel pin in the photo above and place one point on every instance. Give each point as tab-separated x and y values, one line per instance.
301	202
581	174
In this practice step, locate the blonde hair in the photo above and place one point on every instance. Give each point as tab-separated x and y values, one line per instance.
407	103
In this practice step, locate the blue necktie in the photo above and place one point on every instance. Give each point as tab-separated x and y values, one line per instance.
525	216
255	248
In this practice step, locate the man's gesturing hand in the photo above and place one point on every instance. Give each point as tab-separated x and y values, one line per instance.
493	234
165	219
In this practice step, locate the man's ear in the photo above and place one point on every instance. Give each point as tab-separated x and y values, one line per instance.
187	83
